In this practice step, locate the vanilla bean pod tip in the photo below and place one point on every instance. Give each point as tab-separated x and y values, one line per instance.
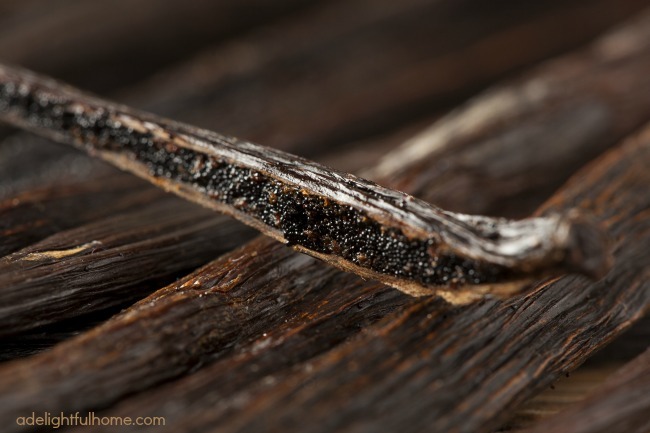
349	222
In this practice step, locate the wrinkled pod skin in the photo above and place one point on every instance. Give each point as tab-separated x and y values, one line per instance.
344	220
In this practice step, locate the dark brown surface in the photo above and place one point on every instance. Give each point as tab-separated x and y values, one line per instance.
184	326
33	215
42	283
278	49
346	70
621	405
102	46
315	330
420	366
310	332
26	163
172	94
574	387
235	86
564	392
566	110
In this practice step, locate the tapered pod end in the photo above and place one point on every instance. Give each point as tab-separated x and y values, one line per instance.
588	247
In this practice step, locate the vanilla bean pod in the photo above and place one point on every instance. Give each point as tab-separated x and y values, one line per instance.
227	70
575	318
31	216
452	362
303	307
377	66
83	267
349	222
620	405
588	100
108	38
264	61
280	348
213	89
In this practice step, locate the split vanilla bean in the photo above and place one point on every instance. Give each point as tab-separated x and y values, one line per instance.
349	222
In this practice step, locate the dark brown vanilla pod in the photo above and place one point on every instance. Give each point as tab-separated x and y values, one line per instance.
620	405
349	222
32	215
64	39
454	369
426	367
109	262
566	110
377	65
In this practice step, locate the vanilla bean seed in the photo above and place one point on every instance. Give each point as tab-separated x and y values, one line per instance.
349	222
